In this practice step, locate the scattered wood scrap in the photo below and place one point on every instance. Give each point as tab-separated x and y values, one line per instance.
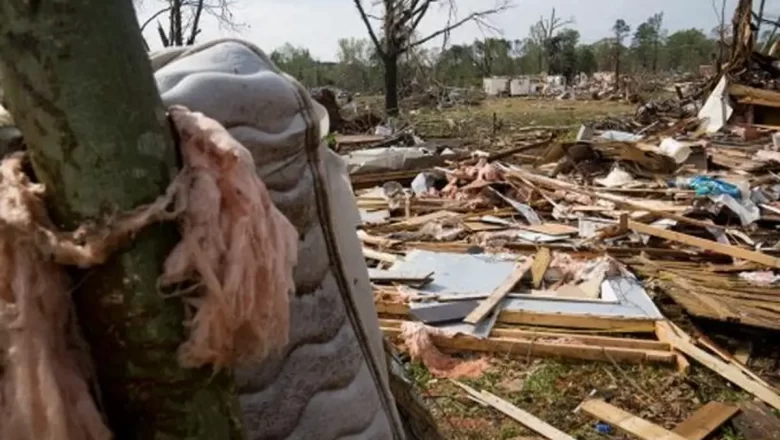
539	267
692	207
512	342
705	420
627	422
487	306
682	342
523	417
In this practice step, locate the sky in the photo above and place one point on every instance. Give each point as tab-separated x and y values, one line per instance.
318	24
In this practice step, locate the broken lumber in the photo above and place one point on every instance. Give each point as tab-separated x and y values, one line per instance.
705	420
714	246
525	418
611	324
627	422
682	342
533	335
632	204
539	266
508	346
662	333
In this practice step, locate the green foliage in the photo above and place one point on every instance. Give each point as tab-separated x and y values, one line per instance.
553	45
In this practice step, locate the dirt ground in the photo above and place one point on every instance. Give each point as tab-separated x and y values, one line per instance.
500	117
552	389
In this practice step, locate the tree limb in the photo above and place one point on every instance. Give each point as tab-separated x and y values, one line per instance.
471	17
163	38
155	15
371	31
195	22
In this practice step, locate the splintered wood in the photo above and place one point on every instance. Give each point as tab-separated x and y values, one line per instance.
705	421
522	259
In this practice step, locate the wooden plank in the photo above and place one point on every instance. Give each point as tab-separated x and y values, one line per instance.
376	240
551	229
705	420
415	222
627	422
680	341
713	246
601	341
558	320
662	332
741	91
381	256
389	276
523	417
539	266
538	295
485	307
523	348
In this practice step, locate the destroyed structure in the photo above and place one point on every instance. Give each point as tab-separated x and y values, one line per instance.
541	248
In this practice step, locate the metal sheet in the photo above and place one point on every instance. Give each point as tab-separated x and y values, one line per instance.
465	274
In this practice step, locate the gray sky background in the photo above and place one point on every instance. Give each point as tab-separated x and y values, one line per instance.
318	24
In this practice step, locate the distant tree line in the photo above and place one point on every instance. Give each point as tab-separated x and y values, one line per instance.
553	46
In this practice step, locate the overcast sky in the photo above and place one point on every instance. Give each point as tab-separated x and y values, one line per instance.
318	24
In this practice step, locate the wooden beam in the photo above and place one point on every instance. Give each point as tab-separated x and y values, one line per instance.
662	333
556	320
713	246
627	422
740	91
524	348
539	266
705	420
391	276
532	335
525	418
681	341
381	256
485	307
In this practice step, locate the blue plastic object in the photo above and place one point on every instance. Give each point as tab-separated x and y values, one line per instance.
707	186
603	428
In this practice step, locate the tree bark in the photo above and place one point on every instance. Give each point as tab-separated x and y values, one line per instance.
391	84
81	89
617	68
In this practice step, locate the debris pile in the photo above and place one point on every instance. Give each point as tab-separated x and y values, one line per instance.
527	251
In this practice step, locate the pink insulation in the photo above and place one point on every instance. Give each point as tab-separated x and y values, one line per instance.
237	249
43	389
419	340
237	244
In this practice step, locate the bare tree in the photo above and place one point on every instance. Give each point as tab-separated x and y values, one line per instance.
400	22
656	23
621	30
543	31
184	19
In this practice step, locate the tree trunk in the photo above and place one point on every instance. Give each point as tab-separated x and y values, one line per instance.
390	61
177	35
617	68
655	56
98	139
